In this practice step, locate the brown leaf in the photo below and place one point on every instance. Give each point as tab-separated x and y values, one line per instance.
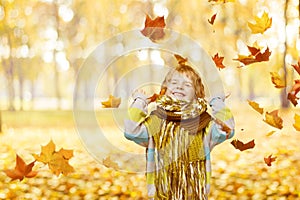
180	59
256	107
297	67
268	160
241	146
255	56
218	61
21	170
273	119
277	80
212	19
112	102
154	28
292	95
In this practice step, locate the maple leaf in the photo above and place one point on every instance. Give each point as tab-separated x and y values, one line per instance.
107	162
256	107
112	102
297	67
255	56
212	19
296	125
268	160
292	95
273	119
58	162
261	23
241	146
21	170
155	96
277	80
218	61
154	28
180	59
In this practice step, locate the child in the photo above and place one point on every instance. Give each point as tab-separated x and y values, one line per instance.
179	135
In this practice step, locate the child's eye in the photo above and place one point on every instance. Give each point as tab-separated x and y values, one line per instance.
188	84
173	82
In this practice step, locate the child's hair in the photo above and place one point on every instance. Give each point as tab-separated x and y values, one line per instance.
191	74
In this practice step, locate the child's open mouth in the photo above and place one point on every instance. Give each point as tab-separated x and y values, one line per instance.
178	94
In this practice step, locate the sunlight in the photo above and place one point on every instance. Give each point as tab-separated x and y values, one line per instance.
156	58
160	10
63	63
65	13
142	55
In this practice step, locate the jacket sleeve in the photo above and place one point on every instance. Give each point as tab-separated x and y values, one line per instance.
134	128
221	112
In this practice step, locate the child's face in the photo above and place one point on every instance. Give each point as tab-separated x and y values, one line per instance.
180	87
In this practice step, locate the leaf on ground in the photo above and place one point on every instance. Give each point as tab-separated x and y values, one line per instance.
58	162
112	102
268	160
292	95
273	119
277	80
212	19
107	162
241	146
218	61
255	56
256	107
21	170
261	23
154	28
296	125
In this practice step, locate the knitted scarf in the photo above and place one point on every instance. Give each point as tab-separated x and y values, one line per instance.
180	158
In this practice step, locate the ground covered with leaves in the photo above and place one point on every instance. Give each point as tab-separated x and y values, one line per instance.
236	174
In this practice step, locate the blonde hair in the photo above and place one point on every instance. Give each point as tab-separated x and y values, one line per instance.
191	74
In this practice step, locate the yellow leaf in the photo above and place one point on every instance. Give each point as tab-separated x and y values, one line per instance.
273	119
297	122
256	107
277	80
261	24
270	133
107	162
112	102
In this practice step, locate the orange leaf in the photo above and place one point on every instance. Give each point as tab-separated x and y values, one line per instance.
112	102
255	56
273	119
212	19
180	59
292	95
256	107
107	162
277	80
154	28
21	170
58	162
268	160
155	96
296	125
218	61
241	146
297	67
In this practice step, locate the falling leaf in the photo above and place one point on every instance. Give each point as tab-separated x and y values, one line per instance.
255	56
154	29
268	160
292	95
270	133
58	162
261	24
212	19
297	67
180	59
112	102
107	162
296	125
221	1
277	80
241	146
155	96
256	107
218	61
273	119
21	170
